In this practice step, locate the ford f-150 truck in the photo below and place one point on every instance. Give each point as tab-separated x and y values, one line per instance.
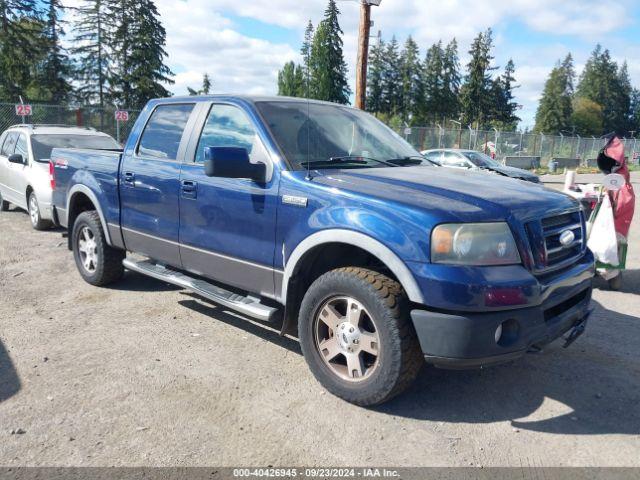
319	217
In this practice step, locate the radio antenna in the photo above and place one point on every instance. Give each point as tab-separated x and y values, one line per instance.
308	122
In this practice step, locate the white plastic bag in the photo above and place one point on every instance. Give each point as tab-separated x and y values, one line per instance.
603	241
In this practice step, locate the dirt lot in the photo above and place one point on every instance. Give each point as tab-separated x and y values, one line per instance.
145	374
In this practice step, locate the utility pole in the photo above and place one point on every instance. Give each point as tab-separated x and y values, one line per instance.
363	51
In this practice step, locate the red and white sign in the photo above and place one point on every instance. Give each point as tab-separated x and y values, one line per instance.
122	116
23	110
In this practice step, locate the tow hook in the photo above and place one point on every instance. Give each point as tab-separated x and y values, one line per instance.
577	330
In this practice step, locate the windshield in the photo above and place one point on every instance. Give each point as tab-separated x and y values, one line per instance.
481	160
43	144
332	136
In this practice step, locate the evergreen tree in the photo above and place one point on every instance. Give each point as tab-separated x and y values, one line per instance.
52	82
476	98
328	69
291	82
600	82
555	107
392	79
20	46
623	100
634	112
504	116
411	78
433	83
93	37
587	117
375	93
138	43
450	94
206	87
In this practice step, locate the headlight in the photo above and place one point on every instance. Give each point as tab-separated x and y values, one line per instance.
474	244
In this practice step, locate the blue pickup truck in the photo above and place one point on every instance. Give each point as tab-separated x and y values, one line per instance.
319	217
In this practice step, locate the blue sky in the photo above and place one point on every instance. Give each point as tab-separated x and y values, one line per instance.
243	44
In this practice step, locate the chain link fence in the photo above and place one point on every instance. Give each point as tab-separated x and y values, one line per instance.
492	142
101	119
514	144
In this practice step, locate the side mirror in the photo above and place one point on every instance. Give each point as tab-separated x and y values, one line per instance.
232	162
17	158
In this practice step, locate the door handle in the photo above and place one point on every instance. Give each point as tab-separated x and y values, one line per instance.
130	179
189	189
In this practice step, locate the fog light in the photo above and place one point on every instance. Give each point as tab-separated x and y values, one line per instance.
498	333
507	333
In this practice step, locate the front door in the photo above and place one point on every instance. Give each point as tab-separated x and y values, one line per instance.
150	185
228	225
10	190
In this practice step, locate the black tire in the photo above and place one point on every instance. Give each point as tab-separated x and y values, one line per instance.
106	266
615	283
400	358
4	205
33	209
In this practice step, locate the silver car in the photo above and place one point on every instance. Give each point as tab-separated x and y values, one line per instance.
24	165
470	159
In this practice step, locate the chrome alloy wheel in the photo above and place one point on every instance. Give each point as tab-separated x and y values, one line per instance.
347	338
34	210
88	250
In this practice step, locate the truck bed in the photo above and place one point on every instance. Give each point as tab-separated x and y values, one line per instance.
95	169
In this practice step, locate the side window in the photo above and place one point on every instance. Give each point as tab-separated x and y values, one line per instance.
21	147
453	159
9	145
229	126
163	133
435	156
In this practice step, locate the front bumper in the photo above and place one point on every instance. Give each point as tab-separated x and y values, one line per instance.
468	340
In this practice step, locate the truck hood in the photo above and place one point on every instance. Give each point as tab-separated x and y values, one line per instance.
452	194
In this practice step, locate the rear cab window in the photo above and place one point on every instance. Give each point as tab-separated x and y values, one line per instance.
163	133
43	144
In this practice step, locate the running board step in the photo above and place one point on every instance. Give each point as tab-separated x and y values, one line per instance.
249	306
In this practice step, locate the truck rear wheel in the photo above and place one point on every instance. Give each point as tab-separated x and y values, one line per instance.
357	337
97	262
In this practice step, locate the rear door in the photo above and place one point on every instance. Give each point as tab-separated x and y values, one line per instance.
228	225
20	172
150	184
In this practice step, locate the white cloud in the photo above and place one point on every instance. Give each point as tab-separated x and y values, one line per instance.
203	38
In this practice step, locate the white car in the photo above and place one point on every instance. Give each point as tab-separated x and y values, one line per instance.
24	165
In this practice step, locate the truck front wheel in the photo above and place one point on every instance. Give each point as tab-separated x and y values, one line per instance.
357	337
97	262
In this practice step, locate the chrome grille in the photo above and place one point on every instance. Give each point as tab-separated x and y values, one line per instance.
549	253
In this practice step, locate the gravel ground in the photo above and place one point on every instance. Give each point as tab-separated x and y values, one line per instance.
145	374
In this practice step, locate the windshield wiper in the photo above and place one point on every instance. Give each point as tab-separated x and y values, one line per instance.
353	159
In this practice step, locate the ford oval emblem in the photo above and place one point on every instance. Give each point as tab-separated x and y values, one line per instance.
567	238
